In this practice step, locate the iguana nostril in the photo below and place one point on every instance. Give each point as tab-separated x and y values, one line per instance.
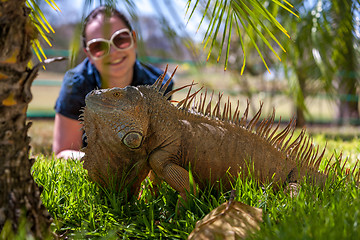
133	139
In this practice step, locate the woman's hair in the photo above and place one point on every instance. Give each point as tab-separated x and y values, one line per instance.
104	11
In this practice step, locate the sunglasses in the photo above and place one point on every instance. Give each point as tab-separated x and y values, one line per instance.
100	47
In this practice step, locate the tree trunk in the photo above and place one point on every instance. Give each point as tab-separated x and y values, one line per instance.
300	98
300	117
348	112
345	58
19	195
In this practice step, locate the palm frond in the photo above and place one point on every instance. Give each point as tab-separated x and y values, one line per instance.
42	25
250	14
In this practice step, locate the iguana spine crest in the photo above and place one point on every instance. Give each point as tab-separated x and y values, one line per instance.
301	149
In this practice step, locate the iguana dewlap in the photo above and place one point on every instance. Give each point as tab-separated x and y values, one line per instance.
133	130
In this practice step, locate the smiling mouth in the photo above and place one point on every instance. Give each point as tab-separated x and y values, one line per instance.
117	61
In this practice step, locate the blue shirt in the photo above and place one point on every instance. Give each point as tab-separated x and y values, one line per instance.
84	78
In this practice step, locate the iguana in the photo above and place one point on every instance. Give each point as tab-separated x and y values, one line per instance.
133	130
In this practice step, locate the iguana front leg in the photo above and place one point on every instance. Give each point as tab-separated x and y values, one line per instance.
176	176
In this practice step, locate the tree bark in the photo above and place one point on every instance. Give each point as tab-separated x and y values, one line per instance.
348	112
345	58
19	195
300	98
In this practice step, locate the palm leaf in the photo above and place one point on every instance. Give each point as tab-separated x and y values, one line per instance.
219	22
251	14
42	25
242	47
224	34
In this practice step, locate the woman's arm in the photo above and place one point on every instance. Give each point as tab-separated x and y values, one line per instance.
67	139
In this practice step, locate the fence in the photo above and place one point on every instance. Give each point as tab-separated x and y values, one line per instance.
322	107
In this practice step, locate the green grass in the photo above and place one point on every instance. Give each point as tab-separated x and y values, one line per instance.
81	209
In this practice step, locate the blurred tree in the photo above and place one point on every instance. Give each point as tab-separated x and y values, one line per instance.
324	54
19	195
301	70
342	17
321	57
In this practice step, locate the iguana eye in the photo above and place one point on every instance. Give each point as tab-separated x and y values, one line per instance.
116	94
133	140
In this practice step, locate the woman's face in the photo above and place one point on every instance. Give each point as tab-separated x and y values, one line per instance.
118	63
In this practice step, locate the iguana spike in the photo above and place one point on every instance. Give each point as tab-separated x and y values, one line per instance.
200	103
273	132
296	141
295	146
195	105
215	108
340	159
269	125
244	118
279	138
352	173
303	148
216	111
191	98
255	119
178	89
303	143
187	97
158	82
318	161
224	112
208	107
265	127
180	103
327	169
333	167
280	141
311	162
260	130
274	141
237	117
236	111
165	86
307	154
228	110
292	127
346	160
203	103
293	151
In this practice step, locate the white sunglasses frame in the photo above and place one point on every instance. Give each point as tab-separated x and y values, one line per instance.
110	43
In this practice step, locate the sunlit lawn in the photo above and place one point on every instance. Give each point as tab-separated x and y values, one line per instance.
80	209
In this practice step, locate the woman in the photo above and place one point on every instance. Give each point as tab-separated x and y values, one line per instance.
110	46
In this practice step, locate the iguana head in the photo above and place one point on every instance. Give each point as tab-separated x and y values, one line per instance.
116	123
123	110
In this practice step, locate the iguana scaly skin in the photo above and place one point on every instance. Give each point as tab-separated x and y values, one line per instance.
133	130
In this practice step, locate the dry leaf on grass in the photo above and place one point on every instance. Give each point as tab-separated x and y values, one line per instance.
231	220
